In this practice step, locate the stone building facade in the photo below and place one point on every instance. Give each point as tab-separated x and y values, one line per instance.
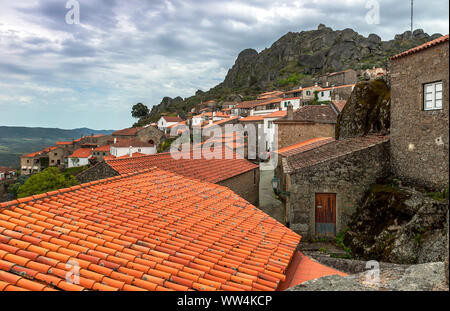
349	76
419	135
147	134
344	169
306	123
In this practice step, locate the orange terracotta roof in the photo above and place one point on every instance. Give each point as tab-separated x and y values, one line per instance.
424	46
220	122
41	152
152	230
81	153
276	114
135	155
304	146
303	269
259	102
210	170
103	148
252	118
61	143
172	119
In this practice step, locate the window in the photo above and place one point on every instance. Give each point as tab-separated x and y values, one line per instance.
269	124
104	153
322	94
308	93
432	96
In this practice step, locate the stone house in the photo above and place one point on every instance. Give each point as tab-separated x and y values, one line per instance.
306	123
345	77
257	107
341	92
420	115
238	174
149	134
327	180
301	96
35	162
99	153
58	156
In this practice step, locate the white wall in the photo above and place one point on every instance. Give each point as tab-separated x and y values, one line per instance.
295	102
121	151
2	176
81	162
325	97
162	124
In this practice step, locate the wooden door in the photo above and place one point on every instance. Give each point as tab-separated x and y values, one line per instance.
326	215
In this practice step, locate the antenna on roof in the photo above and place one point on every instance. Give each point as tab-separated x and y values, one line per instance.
412	15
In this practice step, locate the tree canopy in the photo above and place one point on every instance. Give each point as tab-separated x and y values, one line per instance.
139	111
49	179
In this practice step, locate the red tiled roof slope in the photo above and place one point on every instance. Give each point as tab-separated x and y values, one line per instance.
148	231
128	132
81	153
209	170
304	146
422	47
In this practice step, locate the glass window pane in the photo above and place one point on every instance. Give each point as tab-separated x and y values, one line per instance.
429	88
429	104
439	95
438	86
429	96
438	104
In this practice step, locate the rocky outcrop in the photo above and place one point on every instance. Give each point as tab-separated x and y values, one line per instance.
423	277
398	225
305	55
367	110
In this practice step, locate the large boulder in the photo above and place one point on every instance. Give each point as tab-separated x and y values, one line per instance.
367	110
398	225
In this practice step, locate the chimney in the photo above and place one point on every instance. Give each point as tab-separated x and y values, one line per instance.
290	112
131	151
115	140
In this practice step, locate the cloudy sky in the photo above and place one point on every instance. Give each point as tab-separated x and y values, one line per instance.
55	74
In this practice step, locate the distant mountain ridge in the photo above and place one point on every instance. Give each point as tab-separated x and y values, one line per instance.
295	59
15	140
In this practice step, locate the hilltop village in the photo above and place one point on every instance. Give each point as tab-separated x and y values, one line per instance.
141	220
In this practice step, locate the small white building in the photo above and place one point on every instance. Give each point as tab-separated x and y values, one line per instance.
324	95
80	157
270	128
294	101
131	146
164	122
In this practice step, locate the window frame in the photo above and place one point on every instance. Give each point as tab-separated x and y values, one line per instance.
424	94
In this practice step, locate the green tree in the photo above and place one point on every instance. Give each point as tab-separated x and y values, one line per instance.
49	179
139	111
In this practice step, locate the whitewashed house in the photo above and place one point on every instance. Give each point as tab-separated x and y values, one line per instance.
80	157
270	128
131	146
164	122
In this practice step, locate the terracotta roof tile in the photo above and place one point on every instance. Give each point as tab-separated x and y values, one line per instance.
210	170
172	119
304	146
424	46
152	230
81	153
134	142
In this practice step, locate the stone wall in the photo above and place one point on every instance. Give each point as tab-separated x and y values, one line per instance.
420	139
245	185
349	176
296	132
96	172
